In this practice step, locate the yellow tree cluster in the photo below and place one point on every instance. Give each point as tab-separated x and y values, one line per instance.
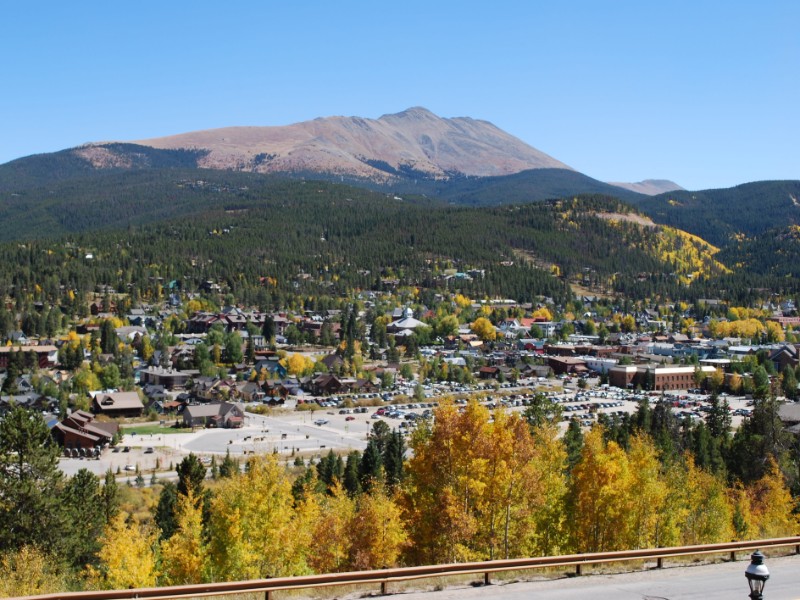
462	301
299	364
480	489
29	572
478	486
483	328
127	558
621	500
255	528
543	313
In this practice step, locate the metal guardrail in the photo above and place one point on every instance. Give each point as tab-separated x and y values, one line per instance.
386	576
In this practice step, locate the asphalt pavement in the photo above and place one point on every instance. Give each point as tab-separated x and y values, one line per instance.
721	581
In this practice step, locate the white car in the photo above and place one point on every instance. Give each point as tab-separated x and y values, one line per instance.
321	422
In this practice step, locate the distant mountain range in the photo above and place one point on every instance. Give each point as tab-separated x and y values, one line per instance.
650	187
414	141
413	154
412	146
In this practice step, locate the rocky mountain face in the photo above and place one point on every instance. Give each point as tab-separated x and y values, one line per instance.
414	142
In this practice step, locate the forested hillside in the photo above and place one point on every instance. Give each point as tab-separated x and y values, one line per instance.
721	216
319	239
81	163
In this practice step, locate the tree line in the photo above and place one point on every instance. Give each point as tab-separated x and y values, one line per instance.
477	486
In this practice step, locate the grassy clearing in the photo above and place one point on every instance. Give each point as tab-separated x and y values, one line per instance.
151	429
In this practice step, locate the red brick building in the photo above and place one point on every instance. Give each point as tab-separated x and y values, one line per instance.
650	377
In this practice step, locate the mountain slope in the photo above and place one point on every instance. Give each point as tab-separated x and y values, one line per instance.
414	141
720	216
527	186
516	251
90	162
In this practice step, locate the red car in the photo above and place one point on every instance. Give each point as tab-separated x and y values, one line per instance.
349	418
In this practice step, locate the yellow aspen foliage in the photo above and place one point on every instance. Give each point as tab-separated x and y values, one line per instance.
193	306
708	514
735	383
628	324
253	529
717	379
479	488
742	520
667	525
543	313
502	483
649	499
298	364
772	505
462	301
441	485
686	325
332	541
127	557
377	532
775	332
184	554
29	572
147	349
601	484
483	328
546	491
383	319
525	489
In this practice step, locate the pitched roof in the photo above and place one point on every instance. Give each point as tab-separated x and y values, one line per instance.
119	401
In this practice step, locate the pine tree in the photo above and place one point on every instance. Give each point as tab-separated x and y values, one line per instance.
164	516
110	497
191	474
30	482
393	459
229	466
351	480
370	469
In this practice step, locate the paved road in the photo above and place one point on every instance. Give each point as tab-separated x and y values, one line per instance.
722	581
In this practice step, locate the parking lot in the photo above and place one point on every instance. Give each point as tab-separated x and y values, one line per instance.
334	423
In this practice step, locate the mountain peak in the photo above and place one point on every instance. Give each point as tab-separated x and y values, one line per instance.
415	112
414	141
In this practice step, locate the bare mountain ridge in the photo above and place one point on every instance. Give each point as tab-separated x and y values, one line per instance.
650	187
412	141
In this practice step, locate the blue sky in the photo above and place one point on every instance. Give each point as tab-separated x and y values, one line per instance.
705	93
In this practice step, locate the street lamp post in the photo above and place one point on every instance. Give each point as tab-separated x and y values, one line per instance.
757	575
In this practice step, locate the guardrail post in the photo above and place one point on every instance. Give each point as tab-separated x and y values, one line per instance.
268	595
733	555
487	578
660	563
797	549
577	570
384	588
